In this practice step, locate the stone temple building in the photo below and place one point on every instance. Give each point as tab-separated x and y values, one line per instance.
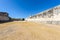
51	16
4	16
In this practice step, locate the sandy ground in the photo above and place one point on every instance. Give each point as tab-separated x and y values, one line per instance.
29	31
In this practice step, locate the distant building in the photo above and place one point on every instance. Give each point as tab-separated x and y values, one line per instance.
51	15
4	16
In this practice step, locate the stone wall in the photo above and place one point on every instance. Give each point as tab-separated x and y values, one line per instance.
4	16
51	16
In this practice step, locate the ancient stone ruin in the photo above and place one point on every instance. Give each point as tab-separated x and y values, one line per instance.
51	16
4	17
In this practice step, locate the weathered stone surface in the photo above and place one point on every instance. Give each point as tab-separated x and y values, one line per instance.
4	16
50	16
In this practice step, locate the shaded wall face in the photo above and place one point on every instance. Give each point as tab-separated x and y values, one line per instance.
3	18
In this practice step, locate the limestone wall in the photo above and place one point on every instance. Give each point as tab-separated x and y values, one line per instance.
51	16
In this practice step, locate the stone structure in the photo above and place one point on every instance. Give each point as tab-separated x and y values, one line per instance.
51	16
4	17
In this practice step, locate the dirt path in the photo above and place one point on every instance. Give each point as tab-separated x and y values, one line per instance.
29	31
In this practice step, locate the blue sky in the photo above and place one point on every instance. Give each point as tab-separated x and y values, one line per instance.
25	8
